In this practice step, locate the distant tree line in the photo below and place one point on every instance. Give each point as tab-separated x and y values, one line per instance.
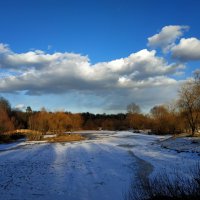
182	116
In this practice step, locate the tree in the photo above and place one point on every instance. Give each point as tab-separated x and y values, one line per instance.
189	102
135	119
76	121
20	119
175	120
5	105
39	121
6	123
28	109
58	122
159	119
165	120
159	111
133	108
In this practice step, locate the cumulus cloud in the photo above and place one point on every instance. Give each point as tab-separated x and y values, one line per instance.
40	73
20	107
33	59
135	77
4	48
187	50
166	38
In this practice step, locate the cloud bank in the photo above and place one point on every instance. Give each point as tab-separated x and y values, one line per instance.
37	72
142	77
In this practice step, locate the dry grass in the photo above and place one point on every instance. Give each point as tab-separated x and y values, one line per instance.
162	187
197	135
8	138
12	136
65	138
32	135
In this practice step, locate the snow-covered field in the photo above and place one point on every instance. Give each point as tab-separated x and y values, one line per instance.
100	168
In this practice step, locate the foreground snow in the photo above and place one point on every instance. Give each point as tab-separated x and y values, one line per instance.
186	144
100	168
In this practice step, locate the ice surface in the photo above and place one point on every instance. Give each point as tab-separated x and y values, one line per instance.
100	168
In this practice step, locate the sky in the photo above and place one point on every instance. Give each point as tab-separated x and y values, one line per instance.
96	56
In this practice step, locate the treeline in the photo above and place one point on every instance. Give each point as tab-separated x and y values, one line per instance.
54	121
161	120
182	116
43	121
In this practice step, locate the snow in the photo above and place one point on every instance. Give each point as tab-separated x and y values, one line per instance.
49	136
186	144
9	145
19	143
100	168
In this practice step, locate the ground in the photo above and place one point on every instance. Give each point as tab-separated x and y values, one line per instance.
102	167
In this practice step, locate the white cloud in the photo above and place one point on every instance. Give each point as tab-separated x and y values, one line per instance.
166	38
187	50
4	48
20	107
40	73
137	76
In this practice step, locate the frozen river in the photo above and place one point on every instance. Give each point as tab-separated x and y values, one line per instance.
100	168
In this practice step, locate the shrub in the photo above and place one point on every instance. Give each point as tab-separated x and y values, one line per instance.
165	188
16	136
34	136
6	138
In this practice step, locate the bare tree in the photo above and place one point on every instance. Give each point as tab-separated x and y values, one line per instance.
165	120
5	105
159	119
134	116
189	102
133	108
6	123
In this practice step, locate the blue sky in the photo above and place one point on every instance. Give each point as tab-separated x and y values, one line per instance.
58	54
